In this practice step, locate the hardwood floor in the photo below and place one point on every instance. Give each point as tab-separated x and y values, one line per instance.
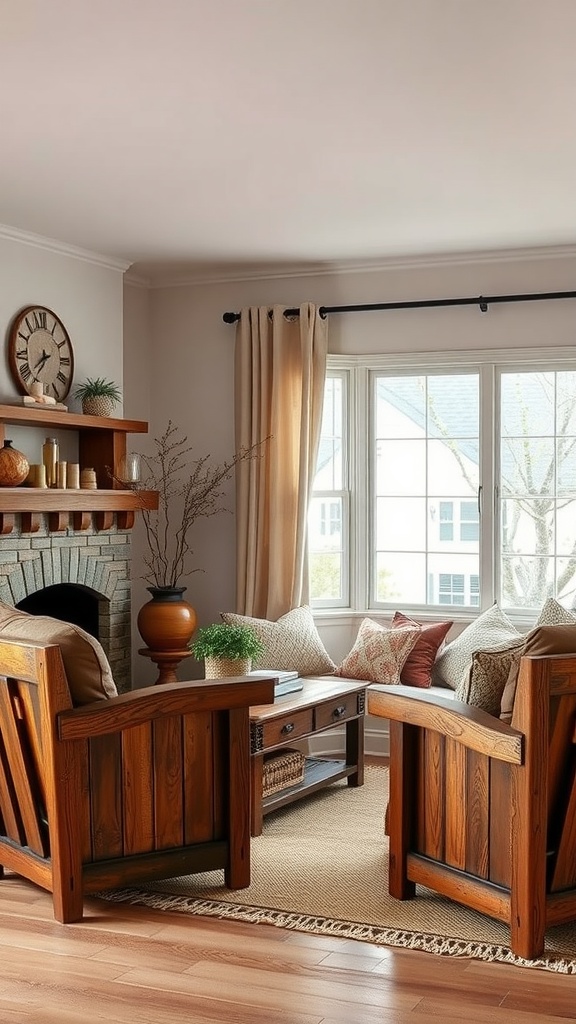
131	965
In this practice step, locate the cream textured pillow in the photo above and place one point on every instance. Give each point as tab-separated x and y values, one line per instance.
292	642
87	670
379	653
490	630
554	614
485	683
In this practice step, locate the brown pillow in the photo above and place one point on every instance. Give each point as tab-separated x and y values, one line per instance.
541	640
87	670
417	669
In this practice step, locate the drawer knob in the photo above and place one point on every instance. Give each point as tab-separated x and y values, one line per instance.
289	727
338	712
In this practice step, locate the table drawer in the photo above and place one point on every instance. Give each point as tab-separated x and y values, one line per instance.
338	710
288	727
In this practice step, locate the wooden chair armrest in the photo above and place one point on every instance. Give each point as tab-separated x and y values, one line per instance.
140	706
464	723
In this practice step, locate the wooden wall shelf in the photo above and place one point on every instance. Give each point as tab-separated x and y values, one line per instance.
101	445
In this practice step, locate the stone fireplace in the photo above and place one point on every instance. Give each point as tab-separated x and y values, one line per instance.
80	576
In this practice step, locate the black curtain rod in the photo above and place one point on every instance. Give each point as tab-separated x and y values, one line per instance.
483	301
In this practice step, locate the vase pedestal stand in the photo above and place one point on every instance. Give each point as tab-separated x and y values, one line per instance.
167	662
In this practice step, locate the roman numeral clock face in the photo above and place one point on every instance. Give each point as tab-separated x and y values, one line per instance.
39	350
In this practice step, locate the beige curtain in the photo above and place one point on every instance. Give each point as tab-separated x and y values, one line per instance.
279	390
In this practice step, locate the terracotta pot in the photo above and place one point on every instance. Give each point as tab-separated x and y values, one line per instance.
166	622
220	668
14	466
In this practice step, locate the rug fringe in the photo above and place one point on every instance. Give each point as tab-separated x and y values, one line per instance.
437	944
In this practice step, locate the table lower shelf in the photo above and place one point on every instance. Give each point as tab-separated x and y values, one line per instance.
318	773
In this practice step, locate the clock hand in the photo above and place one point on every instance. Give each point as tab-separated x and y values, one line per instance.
43	358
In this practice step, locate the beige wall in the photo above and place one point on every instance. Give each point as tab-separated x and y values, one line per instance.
192	360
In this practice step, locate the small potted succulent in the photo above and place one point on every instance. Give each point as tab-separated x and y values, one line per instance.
226	650
98	396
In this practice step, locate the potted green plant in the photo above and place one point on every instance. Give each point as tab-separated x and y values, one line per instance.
226	650
98	396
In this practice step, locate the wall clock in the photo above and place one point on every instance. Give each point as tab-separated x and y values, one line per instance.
39	349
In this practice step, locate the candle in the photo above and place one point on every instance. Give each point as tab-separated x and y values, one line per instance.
73	476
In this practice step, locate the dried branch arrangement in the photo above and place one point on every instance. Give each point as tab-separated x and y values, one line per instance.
188	488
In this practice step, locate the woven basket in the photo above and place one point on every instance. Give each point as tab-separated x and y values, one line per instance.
283	769
100	405
220	668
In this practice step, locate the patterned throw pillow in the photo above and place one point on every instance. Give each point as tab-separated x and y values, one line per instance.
292	642
379	653
417	669
484	685
490	630
554	614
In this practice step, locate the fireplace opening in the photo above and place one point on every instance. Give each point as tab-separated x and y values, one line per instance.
69	602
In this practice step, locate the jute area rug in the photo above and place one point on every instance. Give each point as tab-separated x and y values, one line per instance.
321	865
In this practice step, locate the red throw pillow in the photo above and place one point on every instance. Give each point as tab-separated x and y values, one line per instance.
417	669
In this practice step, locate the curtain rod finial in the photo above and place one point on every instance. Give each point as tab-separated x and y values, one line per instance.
230	318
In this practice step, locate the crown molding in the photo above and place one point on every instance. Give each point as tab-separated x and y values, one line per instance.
62	248
209	275
137	280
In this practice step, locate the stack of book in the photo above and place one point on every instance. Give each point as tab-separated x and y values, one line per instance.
288	681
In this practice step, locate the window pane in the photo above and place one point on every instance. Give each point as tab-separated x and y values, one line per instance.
329	462
453	406
400	467
453	467
328	528
400	407
400	577
538	487
325	576
400	524
426	466
528	466
453	580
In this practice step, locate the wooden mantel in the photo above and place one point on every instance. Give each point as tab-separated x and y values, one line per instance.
101	445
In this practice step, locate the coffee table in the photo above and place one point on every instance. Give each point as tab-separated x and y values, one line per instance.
323	703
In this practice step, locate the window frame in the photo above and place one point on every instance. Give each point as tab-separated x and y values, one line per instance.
358	371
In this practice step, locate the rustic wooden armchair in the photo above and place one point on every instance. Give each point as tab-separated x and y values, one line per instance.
150	784
484	812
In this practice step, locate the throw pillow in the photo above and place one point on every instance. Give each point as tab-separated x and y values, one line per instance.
292	642
554	614
417	669
379	653
87	670
559	639
491	629
484	685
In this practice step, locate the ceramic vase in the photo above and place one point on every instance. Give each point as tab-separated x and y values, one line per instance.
14	466
166	622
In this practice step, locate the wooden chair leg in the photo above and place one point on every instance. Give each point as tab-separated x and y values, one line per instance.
399	810
237	871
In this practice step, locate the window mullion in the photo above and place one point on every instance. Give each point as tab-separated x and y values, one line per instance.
489	442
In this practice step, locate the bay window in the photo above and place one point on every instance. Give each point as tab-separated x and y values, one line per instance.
446	481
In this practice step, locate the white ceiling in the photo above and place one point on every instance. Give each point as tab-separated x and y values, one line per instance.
225	133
